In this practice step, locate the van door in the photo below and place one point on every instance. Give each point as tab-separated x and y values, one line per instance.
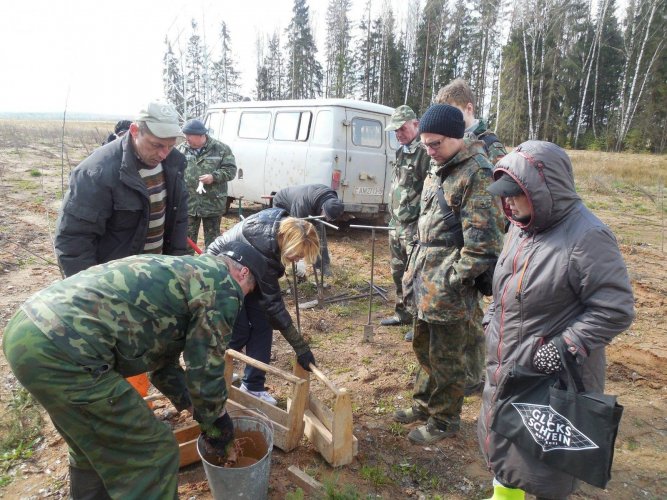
365	172
288	149
250	148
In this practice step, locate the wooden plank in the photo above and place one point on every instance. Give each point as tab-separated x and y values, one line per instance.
187	453
324	414
262	366
297	406
249	401
341	432
309	485
188	432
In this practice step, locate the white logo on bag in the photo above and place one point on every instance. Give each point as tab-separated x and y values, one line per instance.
551	430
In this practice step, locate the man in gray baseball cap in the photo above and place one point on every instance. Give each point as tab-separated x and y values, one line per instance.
128	197
408	176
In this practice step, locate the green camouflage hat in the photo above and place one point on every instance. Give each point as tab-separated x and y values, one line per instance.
401	115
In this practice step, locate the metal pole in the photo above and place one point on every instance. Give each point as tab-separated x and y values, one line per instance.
370	291
368	328
296	298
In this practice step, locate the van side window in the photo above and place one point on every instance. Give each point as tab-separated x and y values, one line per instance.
214	124
366	132
254	125
292	126
323	128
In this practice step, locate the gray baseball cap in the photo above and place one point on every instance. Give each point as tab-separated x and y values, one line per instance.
161	119
401	115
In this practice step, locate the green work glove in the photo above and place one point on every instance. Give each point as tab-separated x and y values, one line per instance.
218	440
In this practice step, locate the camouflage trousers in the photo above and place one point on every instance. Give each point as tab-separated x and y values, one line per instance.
107	425
441	377
399	249
211	228
475	349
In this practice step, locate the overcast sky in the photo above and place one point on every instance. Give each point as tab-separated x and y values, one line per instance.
106	57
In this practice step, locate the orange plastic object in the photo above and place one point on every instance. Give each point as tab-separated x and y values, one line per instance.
141	384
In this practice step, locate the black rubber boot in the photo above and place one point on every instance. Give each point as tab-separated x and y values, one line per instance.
86	484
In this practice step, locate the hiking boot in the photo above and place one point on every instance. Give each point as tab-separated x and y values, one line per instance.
263	395
409	336
393	321
409	415
431	433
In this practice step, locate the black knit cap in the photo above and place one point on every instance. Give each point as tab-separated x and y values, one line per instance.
443	119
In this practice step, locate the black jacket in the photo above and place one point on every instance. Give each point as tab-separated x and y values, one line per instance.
105	213
260	230
305	200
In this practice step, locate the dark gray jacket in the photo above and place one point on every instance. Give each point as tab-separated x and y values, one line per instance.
305	200
559	275
105	213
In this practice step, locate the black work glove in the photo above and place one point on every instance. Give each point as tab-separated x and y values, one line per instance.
306	359
217	441
547	359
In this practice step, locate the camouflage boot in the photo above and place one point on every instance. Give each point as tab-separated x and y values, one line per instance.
409	415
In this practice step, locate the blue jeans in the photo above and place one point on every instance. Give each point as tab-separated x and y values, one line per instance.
253	331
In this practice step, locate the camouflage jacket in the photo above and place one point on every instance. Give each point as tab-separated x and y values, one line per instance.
214	158
410	169
492	145
440	273
139	314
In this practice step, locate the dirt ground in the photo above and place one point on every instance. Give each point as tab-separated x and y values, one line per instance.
378	374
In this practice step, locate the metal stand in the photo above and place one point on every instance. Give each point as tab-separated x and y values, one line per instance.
319	282
368	327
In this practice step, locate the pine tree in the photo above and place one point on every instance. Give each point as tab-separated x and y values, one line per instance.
195	64
304	72
271	71
339	71
225	85
172	79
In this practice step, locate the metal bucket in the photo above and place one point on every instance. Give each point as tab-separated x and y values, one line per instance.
242	482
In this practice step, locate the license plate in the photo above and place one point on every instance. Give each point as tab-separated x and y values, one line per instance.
368	191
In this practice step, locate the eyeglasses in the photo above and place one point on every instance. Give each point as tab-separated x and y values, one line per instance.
432	145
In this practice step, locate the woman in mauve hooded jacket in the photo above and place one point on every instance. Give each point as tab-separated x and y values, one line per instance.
560	274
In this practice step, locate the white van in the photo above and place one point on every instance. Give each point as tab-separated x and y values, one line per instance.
337	142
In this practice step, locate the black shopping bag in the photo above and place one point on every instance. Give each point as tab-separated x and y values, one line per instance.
560	423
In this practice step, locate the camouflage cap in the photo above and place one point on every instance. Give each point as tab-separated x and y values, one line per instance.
401	115
161	119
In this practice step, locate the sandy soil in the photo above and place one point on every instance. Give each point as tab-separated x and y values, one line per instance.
378	374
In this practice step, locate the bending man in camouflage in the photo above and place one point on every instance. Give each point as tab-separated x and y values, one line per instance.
210	165
460	235
71	344
408	176
458	94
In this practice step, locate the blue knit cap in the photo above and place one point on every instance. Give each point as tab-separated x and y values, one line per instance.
443	119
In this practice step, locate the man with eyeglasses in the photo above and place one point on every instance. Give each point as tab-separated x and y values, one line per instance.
408	176
460	231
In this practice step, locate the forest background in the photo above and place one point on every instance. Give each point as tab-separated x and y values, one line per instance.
583	74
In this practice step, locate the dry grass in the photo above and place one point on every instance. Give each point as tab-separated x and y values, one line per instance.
605	171
48	133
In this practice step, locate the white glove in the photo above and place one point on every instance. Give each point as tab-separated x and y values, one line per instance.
301	269
200	188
